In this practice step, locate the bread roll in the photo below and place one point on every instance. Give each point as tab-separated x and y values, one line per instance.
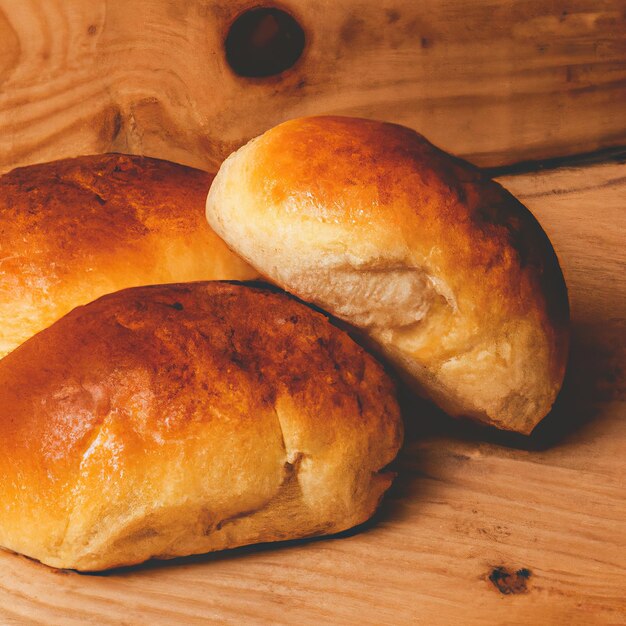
446	272
77	229
171	420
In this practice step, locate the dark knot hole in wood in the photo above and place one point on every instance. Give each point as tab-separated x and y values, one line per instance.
510	582
263	42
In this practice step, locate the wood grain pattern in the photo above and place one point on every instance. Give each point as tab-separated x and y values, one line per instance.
481	527
497	81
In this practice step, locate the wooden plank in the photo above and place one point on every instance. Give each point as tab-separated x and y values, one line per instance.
473	515
497	81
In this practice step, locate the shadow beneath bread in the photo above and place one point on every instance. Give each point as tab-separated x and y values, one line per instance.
388	511
595	373
236	553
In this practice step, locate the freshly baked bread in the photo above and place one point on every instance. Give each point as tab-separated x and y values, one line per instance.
77	229
446	272
171	420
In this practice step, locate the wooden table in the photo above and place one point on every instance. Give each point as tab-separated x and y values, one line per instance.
480	527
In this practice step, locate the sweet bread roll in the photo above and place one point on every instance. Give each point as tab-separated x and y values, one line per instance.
445	271
77	229
171	420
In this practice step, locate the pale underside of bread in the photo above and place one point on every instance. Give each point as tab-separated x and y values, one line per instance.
76	229
166	421
446	273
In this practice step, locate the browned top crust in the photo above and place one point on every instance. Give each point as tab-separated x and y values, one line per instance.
451	276
73	230
193	396
373	174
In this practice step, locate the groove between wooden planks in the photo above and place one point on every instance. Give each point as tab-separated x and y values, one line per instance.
499	81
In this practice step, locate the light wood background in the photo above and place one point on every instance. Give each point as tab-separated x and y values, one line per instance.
466	501
497	81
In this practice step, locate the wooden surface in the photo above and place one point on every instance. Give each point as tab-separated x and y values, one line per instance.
498	81
480	527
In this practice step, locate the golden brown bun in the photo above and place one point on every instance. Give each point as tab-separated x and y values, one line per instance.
449	275
171	420
74	230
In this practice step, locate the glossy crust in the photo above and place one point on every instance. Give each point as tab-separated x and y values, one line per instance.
74	230
446	272
171	420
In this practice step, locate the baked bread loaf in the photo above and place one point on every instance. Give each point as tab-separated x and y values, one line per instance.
172	420
447	273
77	229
